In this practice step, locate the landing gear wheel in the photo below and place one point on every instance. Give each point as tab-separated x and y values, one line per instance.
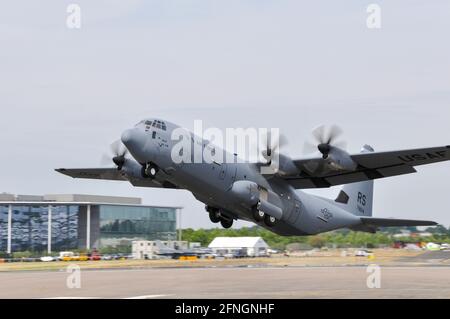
214	216
150	170
257	214
270	221
226	223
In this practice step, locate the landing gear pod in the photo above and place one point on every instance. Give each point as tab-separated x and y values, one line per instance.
247	192
270	209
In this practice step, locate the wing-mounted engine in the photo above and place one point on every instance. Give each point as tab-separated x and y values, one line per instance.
334	157
131	169
128	168
285	166
258	199
274	162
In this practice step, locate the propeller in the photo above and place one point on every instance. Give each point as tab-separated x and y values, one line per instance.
324	139
271	146
117	155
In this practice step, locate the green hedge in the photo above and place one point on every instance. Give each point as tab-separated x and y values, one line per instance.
341	238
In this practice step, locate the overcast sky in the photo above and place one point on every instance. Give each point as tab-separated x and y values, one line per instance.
66	94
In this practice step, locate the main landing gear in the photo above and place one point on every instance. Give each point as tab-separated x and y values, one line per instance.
226	223
270	221
260	216
149	170
216	217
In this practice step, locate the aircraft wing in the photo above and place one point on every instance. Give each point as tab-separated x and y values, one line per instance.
391	222
369	166
113	174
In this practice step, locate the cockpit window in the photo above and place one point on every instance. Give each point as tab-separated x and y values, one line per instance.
159	124
149	123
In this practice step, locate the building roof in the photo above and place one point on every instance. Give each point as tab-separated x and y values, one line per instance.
237	242
46	203
74	199
92	199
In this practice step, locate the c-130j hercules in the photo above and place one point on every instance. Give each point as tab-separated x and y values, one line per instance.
275	201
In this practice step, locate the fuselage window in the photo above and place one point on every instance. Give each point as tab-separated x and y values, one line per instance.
154	134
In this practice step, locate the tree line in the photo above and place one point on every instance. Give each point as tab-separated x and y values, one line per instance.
338	239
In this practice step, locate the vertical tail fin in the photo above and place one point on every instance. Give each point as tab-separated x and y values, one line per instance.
358	197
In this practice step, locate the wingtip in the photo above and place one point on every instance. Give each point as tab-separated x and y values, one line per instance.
62	171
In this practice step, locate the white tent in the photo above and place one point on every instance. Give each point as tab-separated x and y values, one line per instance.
239	246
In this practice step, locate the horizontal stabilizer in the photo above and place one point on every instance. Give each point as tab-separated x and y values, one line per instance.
391	222
93	173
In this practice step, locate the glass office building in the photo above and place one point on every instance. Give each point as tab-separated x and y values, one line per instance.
57	225
119	225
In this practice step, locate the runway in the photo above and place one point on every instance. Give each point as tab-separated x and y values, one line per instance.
224	283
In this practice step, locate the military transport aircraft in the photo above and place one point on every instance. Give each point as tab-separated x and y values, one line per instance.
275	201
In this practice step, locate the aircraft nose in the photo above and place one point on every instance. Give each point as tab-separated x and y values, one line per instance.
127	137
136	143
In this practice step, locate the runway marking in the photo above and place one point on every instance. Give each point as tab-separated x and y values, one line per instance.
134	297
288	268
148	297
71	298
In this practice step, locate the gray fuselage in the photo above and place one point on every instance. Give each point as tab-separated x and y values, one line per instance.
212	184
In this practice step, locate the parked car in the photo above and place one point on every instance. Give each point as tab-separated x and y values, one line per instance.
65	254
95	257
363	253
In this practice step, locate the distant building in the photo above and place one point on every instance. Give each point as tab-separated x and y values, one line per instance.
424	234
65	222
195	245
412	234
239	246
145	249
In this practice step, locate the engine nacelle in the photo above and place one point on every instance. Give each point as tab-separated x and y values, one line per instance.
131	169
340	160
286	166
250	194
